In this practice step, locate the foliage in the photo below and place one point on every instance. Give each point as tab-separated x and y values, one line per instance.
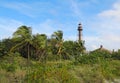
39	42
56	72
28	58
57	42
50	74
116	55
101	53
72	49
5	46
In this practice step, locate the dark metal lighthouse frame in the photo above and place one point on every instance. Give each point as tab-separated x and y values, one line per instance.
80	32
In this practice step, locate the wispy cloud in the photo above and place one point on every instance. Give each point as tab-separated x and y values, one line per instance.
45	27
107	27
94	1
49	26
31	9
113	13
78	8
8	26
75	7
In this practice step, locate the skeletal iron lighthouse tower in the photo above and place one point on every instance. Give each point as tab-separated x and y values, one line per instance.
80	32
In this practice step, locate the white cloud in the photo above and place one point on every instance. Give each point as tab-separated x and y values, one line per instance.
94	1
108	41
92	42
19	7
7	27
107	28
48	27
113	13
45	27
70	37
75	7
33	9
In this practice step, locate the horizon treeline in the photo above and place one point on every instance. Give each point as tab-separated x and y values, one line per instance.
38	46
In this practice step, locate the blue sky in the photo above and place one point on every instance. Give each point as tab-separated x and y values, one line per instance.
100	19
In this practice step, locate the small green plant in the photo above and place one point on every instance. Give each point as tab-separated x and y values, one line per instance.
11	68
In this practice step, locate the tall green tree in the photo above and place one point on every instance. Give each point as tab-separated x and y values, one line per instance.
39	42
68	50
58	40
73	49
5	46
23	39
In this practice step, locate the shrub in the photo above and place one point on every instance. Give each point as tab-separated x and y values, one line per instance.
11	68
50	74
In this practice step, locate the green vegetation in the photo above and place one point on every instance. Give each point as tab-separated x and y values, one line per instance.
27	58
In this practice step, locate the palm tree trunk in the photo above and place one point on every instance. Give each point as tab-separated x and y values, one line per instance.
28	60
28	52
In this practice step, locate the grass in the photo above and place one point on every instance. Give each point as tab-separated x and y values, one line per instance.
14	69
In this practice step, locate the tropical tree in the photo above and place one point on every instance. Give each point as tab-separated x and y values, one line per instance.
58	39
5	46
39	42
68	50
23	39
79	46
55	44
73	49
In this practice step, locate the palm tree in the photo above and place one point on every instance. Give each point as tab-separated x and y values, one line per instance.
58	39
23	38
58	35
23	41
39	41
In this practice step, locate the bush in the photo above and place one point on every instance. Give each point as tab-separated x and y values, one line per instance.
116	55
50	74
11	68
86	59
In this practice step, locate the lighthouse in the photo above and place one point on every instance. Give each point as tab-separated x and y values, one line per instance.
80	32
